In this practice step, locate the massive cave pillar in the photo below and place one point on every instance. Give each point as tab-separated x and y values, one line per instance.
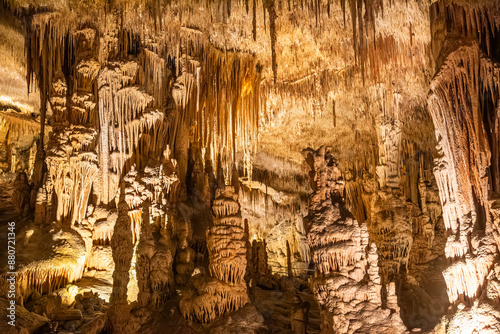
463	104
226	290
70	167
185	255
123	249
347	283
225	239
462	169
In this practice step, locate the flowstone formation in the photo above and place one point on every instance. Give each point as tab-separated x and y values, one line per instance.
347	283
225	289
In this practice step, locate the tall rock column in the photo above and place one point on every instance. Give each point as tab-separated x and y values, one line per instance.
346	283
225	239
225	291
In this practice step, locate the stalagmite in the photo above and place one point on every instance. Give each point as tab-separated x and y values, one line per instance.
343	257
225	240
225	291
185	255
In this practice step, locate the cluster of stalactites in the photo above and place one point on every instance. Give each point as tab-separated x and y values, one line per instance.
453	90
127	99
73	168
156	185
217	93
465	278
122	121
270	204
71	152
470	21
45	50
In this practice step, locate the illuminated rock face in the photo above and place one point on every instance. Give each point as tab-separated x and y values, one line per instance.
461	170
462	100
347	282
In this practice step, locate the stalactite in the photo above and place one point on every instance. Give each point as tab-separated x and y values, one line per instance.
254	20
289	259
354	13
272	30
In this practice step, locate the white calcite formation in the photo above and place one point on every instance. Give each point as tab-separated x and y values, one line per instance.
463	182
347	283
